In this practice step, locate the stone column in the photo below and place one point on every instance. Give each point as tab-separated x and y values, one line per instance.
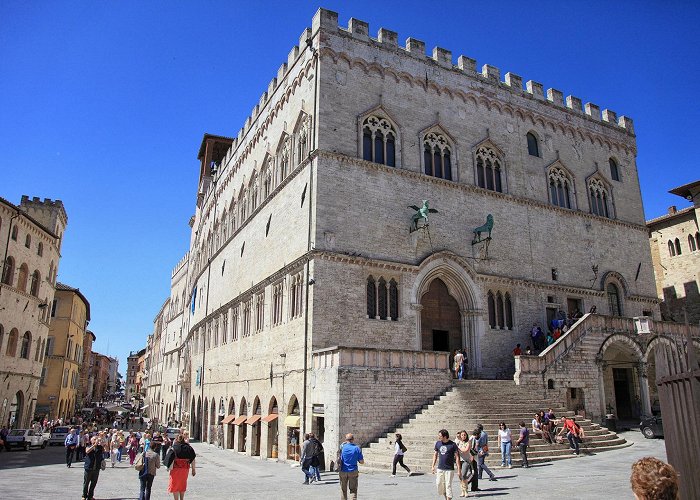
644	388
470	339
418	308
601	387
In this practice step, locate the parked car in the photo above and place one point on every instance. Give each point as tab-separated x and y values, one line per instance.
58	435
25	439
651	427
172	432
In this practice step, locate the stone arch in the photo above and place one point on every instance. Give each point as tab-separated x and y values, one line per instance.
243	427
16	420
273	428
624	387
212	421
205	421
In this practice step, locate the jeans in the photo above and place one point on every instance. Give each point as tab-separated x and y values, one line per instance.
314	471
523	454
307	469
146	483
505	453
89	482
398	459
348	479
483	467
573	441
119	454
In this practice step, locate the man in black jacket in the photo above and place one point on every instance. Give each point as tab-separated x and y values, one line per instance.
94	455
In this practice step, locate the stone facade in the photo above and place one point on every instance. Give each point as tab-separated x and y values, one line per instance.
675	248
301	247
30	236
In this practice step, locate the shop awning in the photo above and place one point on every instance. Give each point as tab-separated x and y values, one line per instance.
269	418
292	421
240	420
252	419
228	419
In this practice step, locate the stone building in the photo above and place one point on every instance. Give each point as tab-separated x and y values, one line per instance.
30	237
132	374
60	377
100	377
675	251
85	369
311	300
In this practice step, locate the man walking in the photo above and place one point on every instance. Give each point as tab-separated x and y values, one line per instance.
446	454
305	460
523	442
94	455
574	433
482	440
349	455
316	452
71	443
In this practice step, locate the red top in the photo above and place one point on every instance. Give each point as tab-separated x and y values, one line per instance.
517	351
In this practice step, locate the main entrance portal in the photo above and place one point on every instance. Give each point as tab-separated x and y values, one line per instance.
441	322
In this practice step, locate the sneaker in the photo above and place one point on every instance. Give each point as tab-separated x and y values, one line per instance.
408	474
510	466
574	453
392	475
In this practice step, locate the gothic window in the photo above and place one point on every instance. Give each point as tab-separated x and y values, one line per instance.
489	169
509	312
224	328
253	190
437	156
246	318
296	295
492	310
378	141
259	312
371	298
11	349
677	244
393	300
533	148
599	198
28	241
9	271
671	249
15	230
614	170
283	160
277	298
559	188
224	226
24	275
36	280
234	324
232	217
499	309
40	249
303	140
614	302
691	243
382	309
266	182
26	344
242	205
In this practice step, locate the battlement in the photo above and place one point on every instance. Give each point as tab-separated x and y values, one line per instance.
178	267
49	213
36	201
327	20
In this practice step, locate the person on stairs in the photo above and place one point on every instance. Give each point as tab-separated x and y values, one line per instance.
399	450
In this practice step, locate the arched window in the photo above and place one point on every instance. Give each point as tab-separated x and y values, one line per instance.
232	217
559	188
378	141
489	169
283	160
242	205
691	243
253	190
224	226
499	310
11	349
437	156
23	276
303	139
2	337
28	241
533	148
614	170
40	249
8	274
677	244
697	240
508	305
36	280
393	300
371	298
383	306
492	310
14	234
614	302
26	344
51	277
599	198
671	249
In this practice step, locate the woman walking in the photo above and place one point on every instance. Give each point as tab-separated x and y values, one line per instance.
399	450
133	447
179	460
505	442
466	457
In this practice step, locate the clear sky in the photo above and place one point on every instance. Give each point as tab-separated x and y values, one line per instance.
103	105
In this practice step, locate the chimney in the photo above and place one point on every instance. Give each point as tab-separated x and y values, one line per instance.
672	210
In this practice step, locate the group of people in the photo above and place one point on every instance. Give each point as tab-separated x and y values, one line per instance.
96	447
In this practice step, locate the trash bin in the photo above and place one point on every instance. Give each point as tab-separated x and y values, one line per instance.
611	423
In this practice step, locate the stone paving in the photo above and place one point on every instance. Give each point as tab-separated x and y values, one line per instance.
223	474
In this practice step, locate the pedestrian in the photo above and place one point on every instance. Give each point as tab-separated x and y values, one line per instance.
305	459
458	359
399	450
114	448
94	462
522	443
71	443
179	460
473	446
504	443
482	450
349	455
317	452
83	442
517	351
465	364
146	464
466	459
653	479
166	445
574	433
445	455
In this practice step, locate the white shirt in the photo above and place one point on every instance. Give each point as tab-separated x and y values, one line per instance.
504	435
397	449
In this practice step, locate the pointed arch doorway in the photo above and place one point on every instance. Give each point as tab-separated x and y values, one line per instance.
441	326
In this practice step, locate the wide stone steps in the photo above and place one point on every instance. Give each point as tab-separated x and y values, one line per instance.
471	402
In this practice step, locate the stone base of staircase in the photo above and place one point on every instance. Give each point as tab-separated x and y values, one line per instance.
486	402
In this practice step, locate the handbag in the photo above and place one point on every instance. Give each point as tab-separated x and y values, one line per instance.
139	464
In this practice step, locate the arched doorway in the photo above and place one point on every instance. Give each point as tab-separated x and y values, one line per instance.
441	325
192	418
255	428
292	422
205	427
622	373
272	432
16	417
212	422
242	427
231	428
198	420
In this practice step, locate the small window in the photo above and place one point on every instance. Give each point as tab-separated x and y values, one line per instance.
28	241
40	249
671	249
691	243
533	147
371	298
614	170
14	233
678	246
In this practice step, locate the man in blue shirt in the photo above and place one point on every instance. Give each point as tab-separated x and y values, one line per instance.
350	455
71	442
446	455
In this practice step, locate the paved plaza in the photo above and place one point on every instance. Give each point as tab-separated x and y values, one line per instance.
223	474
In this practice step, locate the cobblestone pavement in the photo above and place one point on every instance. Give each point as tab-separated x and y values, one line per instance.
222	474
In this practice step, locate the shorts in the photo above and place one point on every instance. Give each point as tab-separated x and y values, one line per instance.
443	479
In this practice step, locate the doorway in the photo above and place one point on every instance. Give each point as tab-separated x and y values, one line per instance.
441	340
623	400
441	321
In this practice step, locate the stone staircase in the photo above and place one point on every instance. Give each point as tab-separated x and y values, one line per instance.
488	402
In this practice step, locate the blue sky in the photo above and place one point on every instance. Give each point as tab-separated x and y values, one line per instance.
103	105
